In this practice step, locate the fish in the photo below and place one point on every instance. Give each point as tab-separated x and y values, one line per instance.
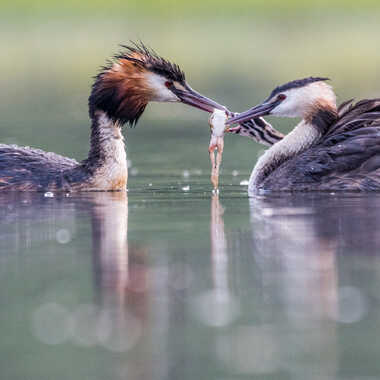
217	124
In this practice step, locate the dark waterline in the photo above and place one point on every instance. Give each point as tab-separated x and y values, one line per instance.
166	283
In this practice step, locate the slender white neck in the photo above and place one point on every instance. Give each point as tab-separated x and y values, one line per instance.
108	149
298	140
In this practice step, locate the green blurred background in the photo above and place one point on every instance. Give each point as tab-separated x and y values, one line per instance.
233	51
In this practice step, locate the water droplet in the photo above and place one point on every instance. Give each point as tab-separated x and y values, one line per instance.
51	324
245	182
352	305
49	194
63	236
186	188
134	171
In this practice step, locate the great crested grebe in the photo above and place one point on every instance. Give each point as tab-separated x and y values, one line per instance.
330	149
119	95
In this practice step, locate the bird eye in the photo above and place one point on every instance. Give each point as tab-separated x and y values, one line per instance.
281	97
168	84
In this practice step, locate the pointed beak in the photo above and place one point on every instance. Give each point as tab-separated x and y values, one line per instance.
192	98
259	110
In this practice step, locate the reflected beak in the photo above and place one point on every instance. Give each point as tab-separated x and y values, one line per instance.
259	110
194	99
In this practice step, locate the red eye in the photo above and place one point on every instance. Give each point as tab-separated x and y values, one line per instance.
281	97
168	84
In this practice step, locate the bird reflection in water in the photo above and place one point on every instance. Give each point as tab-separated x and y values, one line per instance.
297	240
255	297
296	292
219	257
121	278
286	241
217	307
133	295
110	245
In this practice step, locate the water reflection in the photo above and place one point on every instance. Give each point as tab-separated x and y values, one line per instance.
290	244
217	306
219	256
126	285
301	244
298	266
186	287
109	217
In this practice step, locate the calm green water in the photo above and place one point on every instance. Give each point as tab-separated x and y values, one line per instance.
166	283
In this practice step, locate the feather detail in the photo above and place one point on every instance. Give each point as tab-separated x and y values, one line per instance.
346	158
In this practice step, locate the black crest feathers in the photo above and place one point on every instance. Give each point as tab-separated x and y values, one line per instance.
148	58
296	84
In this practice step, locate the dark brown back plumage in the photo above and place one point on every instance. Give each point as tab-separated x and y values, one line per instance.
25	169
346	158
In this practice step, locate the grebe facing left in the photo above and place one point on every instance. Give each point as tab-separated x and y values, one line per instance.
331	149
119	95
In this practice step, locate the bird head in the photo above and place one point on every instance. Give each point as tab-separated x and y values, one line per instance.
137	76
299	98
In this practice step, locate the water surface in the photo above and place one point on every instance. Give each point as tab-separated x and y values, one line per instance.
166	283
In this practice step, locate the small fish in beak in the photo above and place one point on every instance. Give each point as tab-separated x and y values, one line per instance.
217	123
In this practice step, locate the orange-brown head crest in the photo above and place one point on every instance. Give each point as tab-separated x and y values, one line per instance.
122	90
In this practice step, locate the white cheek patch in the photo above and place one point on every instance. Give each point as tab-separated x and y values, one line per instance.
159	90
295	102
288	107
300	99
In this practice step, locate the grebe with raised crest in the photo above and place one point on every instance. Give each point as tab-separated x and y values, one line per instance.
119	95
